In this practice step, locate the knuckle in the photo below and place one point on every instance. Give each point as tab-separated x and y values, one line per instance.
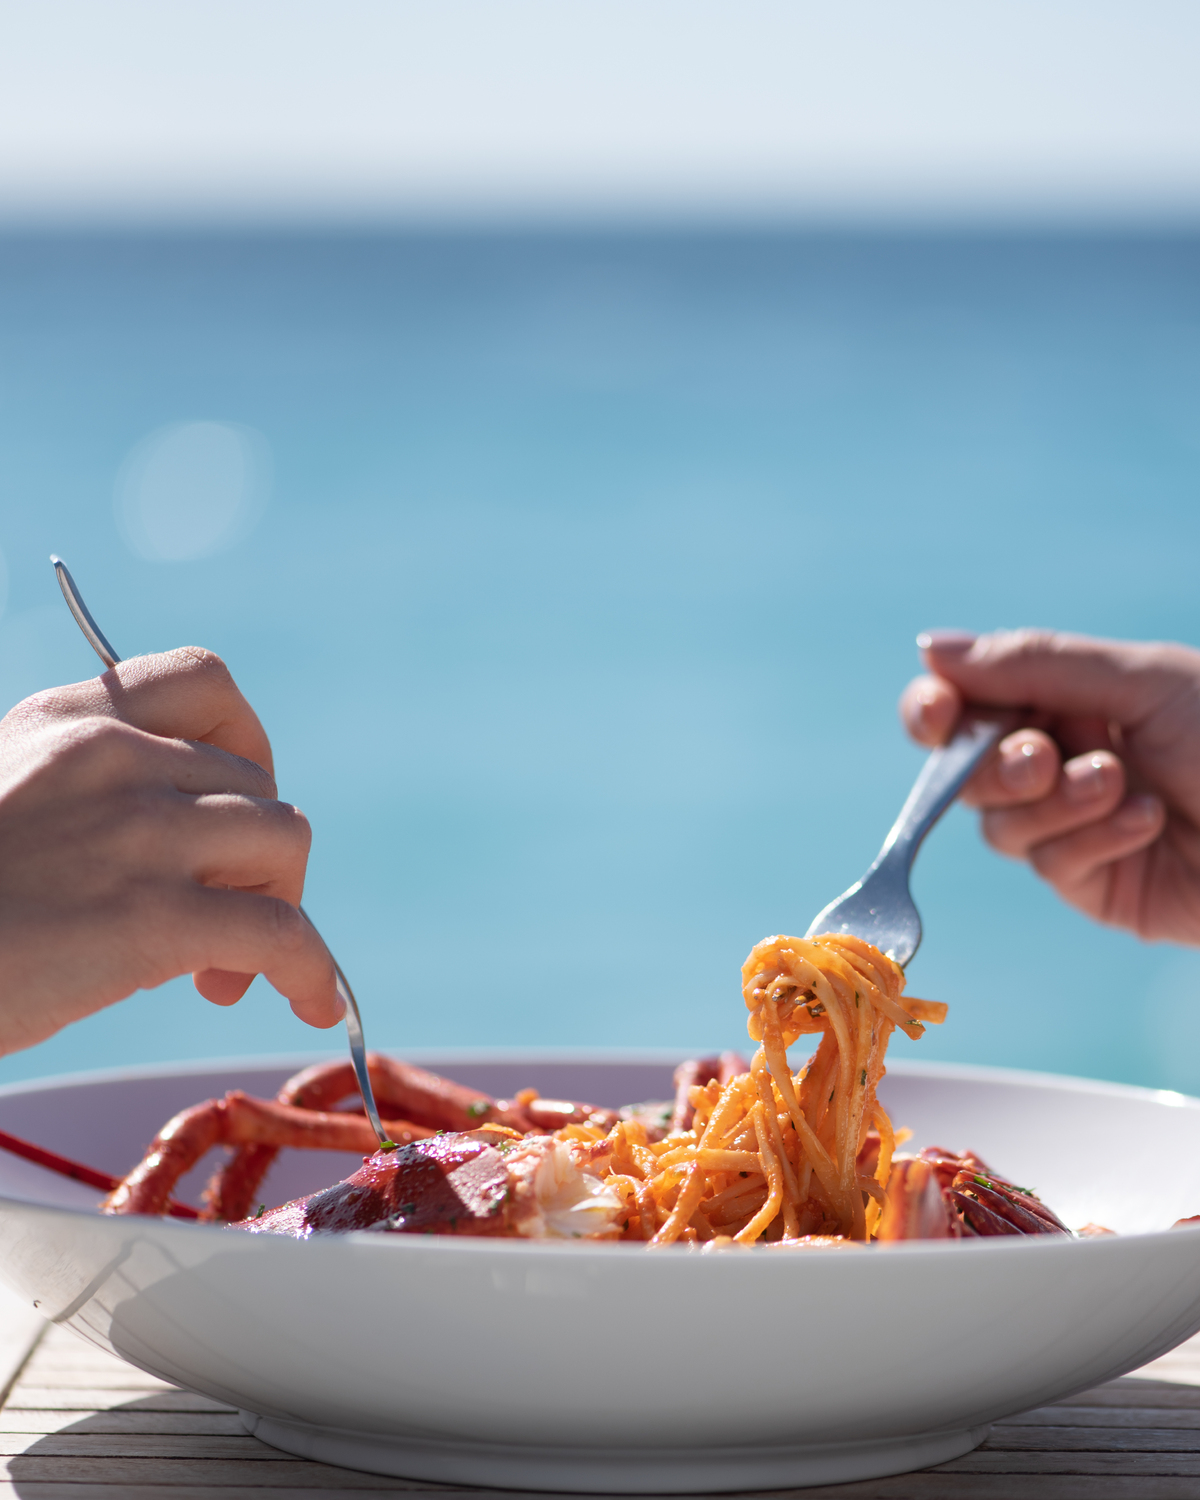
1176	668
298	826
1169	656
204	669
105	744
100	730
1010	645
201	660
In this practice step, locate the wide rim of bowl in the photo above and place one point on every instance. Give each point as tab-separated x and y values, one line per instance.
579	1252
423	1056
599	1056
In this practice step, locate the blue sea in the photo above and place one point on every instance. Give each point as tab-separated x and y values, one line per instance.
581	576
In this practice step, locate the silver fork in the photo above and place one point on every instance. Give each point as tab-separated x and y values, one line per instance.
879	908
358	1047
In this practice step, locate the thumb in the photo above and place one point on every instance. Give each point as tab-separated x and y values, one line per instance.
1060	673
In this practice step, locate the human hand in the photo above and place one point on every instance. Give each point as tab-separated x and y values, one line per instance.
141	838
1101	792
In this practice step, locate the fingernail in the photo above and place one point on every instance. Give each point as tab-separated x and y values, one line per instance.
1018	768
950	642
340	1007
1085	779
1137	813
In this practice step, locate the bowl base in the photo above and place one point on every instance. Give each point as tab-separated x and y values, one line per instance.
647	1471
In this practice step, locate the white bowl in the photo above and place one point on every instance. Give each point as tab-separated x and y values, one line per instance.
608	1368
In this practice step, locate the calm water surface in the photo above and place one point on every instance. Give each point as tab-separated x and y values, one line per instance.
588	580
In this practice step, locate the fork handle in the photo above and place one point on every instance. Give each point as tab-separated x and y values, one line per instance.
942	777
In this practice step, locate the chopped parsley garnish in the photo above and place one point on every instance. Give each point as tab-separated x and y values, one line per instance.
478	1109
862	1078
262	1208
997	1188
389	1145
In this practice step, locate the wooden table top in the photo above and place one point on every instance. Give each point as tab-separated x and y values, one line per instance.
78	1424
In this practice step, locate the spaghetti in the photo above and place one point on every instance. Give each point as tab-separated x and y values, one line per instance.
771	1155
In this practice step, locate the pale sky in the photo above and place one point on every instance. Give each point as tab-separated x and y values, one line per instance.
378	109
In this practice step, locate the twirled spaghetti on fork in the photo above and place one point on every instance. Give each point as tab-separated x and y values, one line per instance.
771	1154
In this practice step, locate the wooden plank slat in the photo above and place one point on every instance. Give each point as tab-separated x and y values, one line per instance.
105	1445
1088	1440
65	1349
62	1350
114	1375
122	1419
271	1471
934	1486
66	1352
123	1384
1131	1392
99	1490
1099	1416
49	1398
988	1461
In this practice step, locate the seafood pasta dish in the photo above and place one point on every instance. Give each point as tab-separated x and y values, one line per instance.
744	1155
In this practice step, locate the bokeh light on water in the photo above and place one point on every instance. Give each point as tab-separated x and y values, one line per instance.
191	489
588	581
